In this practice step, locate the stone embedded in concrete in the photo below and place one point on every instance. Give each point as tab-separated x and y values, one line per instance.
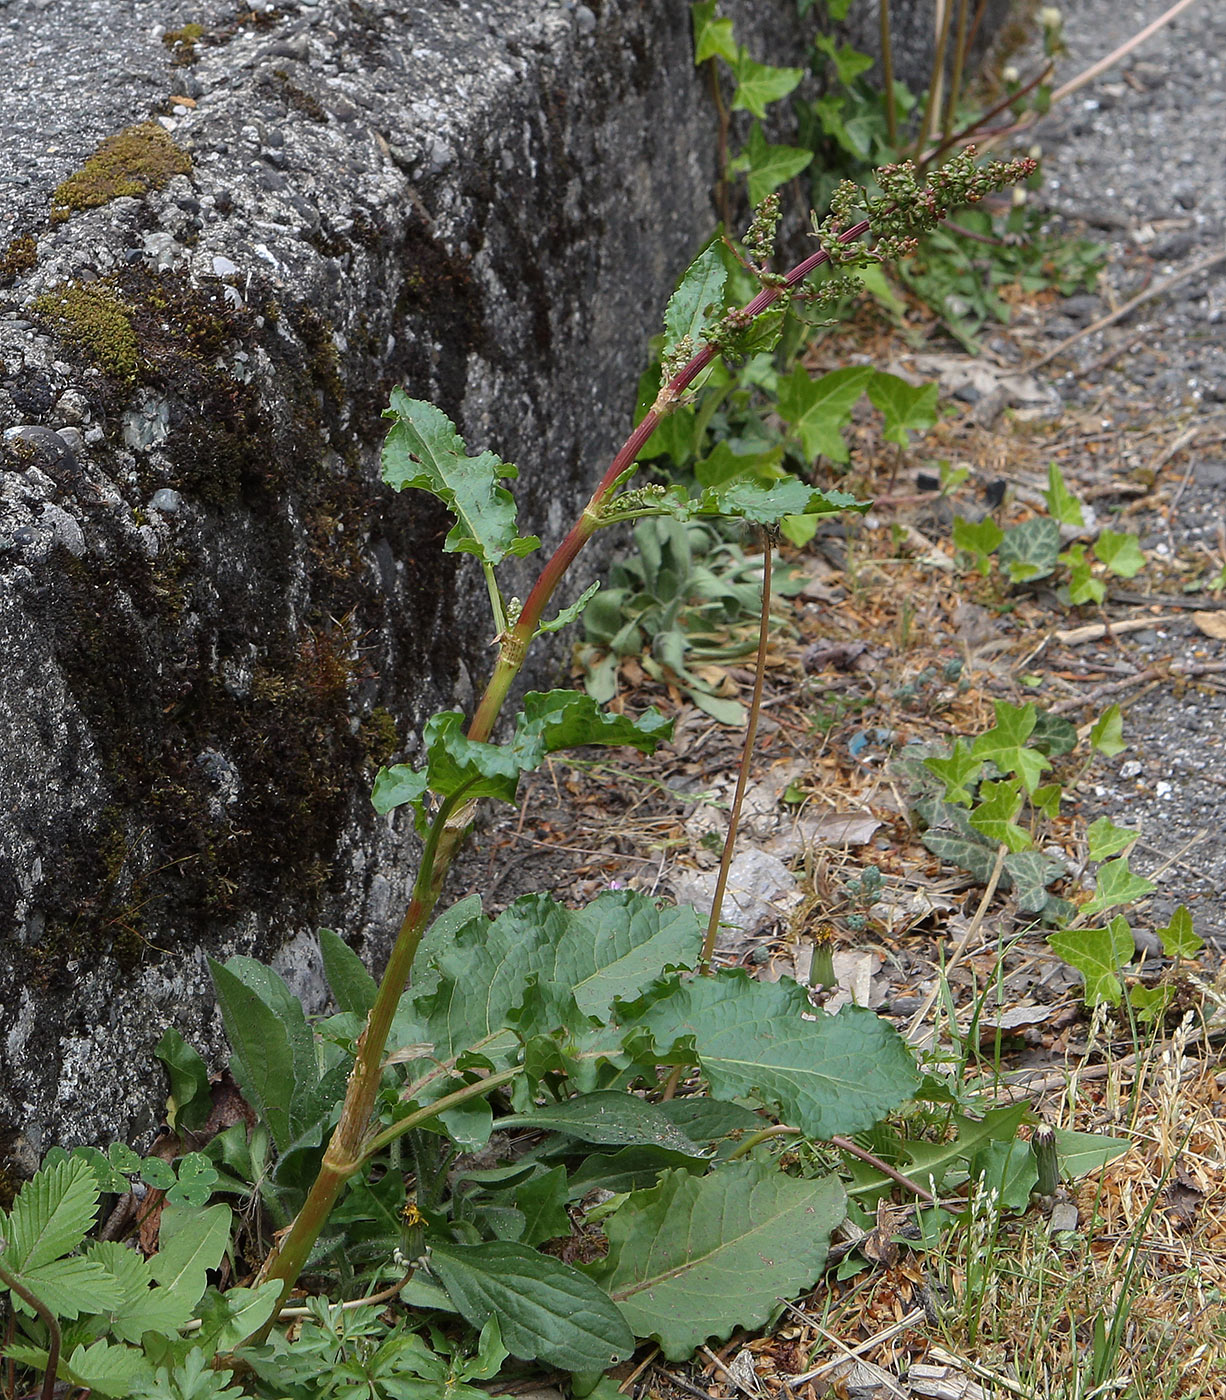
215	621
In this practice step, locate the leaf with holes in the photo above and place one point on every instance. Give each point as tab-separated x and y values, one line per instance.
695	1257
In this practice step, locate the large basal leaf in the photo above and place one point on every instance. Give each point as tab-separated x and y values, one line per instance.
547	1310
548	721
696	303
823	1074
422	449
263	1056
191	1242
698	1256
50	1215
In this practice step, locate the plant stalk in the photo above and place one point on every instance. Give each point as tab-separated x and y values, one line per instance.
54	1338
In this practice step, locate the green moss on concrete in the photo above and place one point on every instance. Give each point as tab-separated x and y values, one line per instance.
93	320
182	43
19	257
133	161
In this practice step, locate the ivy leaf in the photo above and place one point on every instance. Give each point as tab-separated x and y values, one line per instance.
1083	587
1179	939
956	771
979	540
1046	799
1005	743
712	36
423	450
907	407
1121	553
697	302
1106	839
768	166
994	816
835	1074
1062	505
1107	736
819	409
759	84
1052	735
1030	550
1116	884
547	1310
697	1256
849	63
1031	872
1098	954
951	837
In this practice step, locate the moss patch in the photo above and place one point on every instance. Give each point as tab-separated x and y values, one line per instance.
93	319
133	161
182	43
20	256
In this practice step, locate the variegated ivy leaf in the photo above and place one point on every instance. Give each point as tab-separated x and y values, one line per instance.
423	450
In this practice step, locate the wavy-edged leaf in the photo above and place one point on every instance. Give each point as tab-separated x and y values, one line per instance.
768	502
698	1256
423	450
826	1075
547	1310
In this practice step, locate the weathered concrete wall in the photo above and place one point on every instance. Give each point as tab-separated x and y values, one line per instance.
214	621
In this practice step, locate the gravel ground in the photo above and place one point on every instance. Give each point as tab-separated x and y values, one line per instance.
1139	159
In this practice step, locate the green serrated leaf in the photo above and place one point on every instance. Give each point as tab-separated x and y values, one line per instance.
142	1307
1105	839
353	988
1009	1169
423	450
569	614
956	771
835	1074
69	1287
1116	884
1098	954
1031	550
759	84
697	303
50	1216
771	166
1179	938
766	503
106	1369
1062	505
1005	744
1107	735
1120	553
819	409
929	1162
907	407
547	1310
698	1256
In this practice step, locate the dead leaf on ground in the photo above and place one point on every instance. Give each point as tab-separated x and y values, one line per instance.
1212	624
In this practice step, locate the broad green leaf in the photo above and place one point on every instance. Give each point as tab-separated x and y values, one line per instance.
706	1120
1106	839
1030	873
1009	1169
1005	744
608	1117
1081	1153
834	1074
547	1310
758	84
1179	938
1116	884
1107	736
769	166
962	846
698	1256
229	1318
907	407
50	1216
1098	954
712	36
1062	505
1046	799
398	786
190	1103
543	1201
979	540
819	409
423	450
353	988
1150	1003
729	460
696	304
766	503
193	1241
1121	553
263	1058
1052	735
1030	551
999	804
956	771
